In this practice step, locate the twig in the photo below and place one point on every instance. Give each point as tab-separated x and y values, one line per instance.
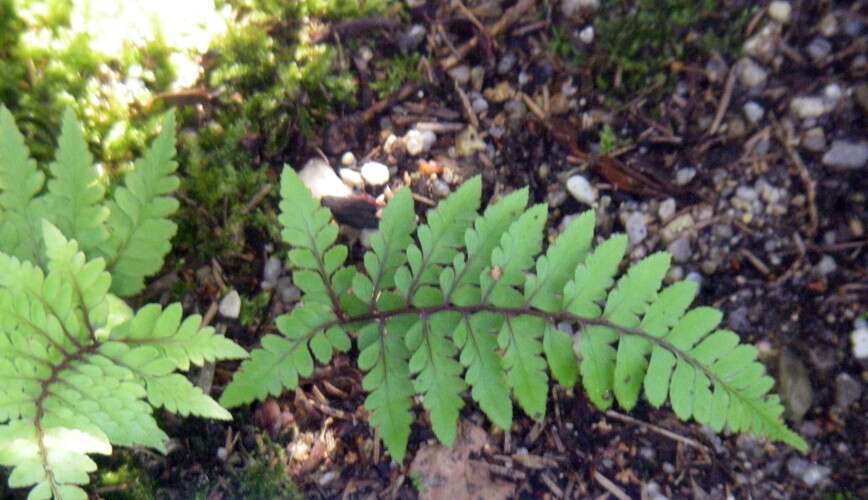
659	430
724	100
509	17
257	199
805	176
465	105
611	487
757	263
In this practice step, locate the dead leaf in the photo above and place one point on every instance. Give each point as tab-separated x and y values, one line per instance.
449	474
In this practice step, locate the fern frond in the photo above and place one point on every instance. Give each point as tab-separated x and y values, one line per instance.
80	374
139	228
475	305
75	194
20	182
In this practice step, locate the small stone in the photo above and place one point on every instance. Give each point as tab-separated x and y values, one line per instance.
846	155
461	74
289	293
796	391
271	272
500	92
230	306
365	237
753	111
848	390
810	474
826	265
417	142
859	339
636	228
808	107
762	45
828	26
351	177
716	69
676	227
684	175
814	140
348	159
572	8
746	193
587	35
477	77
440	189
581	190
479	105
666	209
751	74
505	64
680	250
375	173
468	142
780	11
410	39
694	277
319	177
819	48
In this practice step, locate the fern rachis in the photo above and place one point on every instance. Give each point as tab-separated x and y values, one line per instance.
466	301
82	371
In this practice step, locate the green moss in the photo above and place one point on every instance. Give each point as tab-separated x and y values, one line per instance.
265	476
126	482
395	72
252	308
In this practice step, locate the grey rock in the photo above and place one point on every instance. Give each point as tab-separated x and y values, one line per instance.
764	43
809	107
572	8
823	358
859	339
461	74
680	250
289	293
846	155
848	390
439	188
737	320
506	63
230	305
694	277
796	390
587	35
809	473
828	26
780	11
271	272
684	175
636	228
753	112
751	74
418	142
826	266
814	140
411	38
479	105
746	193
667	209
819	48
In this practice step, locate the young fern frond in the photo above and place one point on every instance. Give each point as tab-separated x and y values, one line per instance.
473	304
81	372
132	231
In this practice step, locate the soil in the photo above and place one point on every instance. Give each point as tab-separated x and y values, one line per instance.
775	235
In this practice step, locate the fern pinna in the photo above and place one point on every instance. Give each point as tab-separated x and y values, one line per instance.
465	301
81	370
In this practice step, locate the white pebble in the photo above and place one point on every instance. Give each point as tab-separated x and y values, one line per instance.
271	273
859	338
636	229
587	35
752	74
666	209
375	173
461	74
230	306
581	190
321	179
684	175
754	112
808	107
348	159
351	177
846	155
780	11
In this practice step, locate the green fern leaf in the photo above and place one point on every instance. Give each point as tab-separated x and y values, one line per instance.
439	240
512	258
138	225
525	367
72	385
476	338
75	194
20	182
438	377
384	357
388	243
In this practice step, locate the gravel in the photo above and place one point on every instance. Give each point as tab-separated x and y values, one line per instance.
848	390
321	179
808	107
751	74
809	473
375	173
846	155
780	11
684	175
636	228
666	210
581	190
859	339
230	306
753	112
351	177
